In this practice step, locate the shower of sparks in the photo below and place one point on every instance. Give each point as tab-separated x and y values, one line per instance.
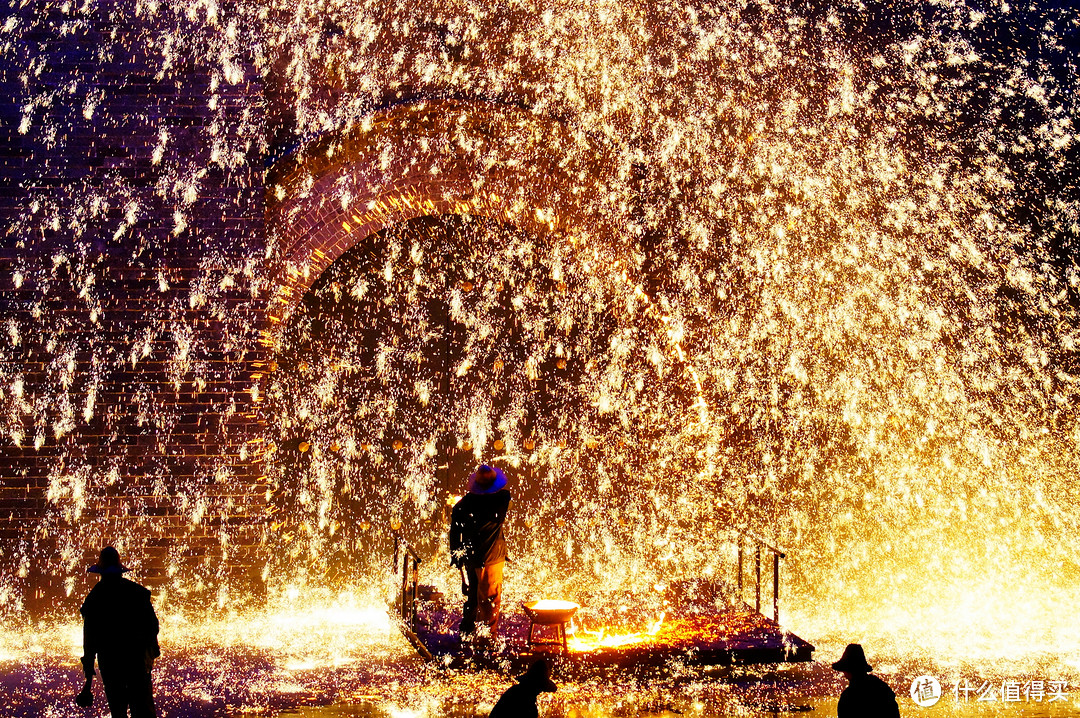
842	315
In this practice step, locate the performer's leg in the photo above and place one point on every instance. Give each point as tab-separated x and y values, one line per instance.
142	693
114	679
468	616
490	595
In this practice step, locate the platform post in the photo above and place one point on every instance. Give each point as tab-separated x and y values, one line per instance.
757	571
405	588
415	590
740	568
776	587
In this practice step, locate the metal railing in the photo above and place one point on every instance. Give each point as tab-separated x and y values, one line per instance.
407	564
759	544
406	555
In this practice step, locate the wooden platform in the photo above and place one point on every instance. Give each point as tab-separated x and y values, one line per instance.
715	635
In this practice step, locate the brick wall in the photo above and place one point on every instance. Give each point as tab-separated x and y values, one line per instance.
437	157
131	191
145	268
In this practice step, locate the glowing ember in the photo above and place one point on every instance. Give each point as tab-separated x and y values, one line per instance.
548	604
583	640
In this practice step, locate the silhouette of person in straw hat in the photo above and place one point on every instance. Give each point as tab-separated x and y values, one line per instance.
120	630
866	696
478	548
519	701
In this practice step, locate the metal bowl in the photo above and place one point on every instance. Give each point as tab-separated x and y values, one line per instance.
547	612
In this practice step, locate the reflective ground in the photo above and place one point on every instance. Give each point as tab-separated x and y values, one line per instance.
350	661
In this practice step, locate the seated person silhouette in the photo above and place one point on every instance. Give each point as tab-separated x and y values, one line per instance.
519	701
866	696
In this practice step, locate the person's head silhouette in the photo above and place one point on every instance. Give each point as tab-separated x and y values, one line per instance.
865	694
108	563
853	660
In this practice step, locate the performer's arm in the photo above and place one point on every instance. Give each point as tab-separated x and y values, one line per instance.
456	538
152	629
503	506
90	647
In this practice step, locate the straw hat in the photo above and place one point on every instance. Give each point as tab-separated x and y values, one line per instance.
853	660
481	481
108	563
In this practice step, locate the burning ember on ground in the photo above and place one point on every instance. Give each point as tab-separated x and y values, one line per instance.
584	640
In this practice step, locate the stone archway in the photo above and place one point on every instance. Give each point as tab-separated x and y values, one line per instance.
439	157
458	158
428	159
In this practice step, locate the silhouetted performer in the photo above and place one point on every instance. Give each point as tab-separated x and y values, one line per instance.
519	701
478	548
866	696
120	629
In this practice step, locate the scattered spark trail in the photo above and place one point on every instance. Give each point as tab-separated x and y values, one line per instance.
842	312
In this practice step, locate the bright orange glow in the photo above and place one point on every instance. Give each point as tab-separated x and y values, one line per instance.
827	319
550	604
584	641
